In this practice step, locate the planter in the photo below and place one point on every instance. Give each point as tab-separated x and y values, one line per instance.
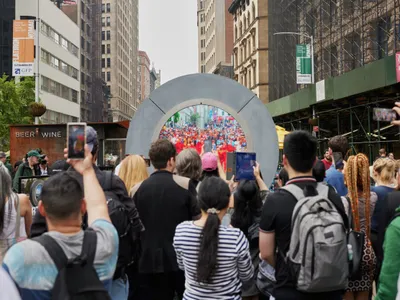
37	109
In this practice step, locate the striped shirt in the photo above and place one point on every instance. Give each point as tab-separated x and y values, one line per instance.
233	263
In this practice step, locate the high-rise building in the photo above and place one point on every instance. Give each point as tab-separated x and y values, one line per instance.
145	75
153	79
120	33
201	32
59	62
251	45
158	81
7	14
215	32
87	14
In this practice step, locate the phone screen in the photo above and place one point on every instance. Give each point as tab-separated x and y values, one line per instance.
384	115
244	166
207	146
76	140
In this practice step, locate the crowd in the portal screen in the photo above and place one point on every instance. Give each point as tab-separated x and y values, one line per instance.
226	136
330	231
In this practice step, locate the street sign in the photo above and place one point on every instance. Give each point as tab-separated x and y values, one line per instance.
303	64
23	47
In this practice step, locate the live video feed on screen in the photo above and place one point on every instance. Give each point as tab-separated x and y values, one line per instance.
205	128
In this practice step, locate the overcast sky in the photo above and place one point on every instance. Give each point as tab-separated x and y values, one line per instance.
168	33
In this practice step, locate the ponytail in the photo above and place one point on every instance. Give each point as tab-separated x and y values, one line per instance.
208	248
213	197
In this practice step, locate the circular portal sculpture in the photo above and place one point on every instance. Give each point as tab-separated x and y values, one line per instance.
213	90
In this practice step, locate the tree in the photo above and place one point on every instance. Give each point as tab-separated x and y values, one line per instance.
14	105
194	118
177	117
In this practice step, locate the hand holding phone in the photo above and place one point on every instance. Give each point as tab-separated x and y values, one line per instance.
76	140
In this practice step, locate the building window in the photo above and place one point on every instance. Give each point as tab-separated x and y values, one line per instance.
236	33
103	21
109	62
108	21
55	88
103	63
108	35
108	48
108	7
248	19
103	75
254	11
103	8
103	49
103	35
108	76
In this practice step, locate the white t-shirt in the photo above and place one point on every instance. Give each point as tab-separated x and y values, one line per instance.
8	289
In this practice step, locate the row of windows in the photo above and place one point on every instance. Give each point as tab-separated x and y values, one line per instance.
246	49
245	23
103	49
106	21
249	79
53	117
85	45
103	63
106	7
58	64
106	35
108	78
58	89
59	39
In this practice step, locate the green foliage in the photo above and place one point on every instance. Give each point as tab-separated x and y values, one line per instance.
177	116
194	118
14	104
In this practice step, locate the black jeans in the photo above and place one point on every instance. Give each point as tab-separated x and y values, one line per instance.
161	286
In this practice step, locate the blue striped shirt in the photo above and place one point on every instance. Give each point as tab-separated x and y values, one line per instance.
233	263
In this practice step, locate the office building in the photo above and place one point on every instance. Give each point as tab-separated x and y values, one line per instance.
7	14
144	75
120	32
250	49
59	62
87	14
215	34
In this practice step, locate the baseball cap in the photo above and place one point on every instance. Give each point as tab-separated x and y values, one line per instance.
33	153
2	155
209	162
91	137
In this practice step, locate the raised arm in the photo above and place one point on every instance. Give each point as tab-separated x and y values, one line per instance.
96	204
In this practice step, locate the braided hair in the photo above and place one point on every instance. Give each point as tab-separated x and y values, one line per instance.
357	179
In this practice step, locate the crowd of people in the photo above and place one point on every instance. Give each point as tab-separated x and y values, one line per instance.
188	232
223	137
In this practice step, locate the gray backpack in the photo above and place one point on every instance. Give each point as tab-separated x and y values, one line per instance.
318	255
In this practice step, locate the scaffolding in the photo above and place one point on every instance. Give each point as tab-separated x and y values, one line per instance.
347	34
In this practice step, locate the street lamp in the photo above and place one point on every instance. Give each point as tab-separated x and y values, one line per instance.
311	48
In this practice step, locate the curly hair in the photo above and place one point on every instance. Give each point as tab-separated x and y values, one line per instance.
357	179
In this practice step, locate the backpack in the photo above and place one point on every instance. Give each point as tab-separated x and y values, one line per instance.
129	243
318	255
77	278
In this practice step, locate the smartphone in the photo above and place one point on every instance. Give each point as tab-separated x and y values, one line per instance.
76	140
384	115
245	163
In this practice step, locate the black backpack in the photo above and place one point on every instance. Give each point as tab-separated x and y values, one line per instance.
129	243
77	278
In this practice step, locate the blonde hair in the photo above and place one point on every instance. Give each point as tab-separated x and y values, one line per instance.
358	183
133	171
386	170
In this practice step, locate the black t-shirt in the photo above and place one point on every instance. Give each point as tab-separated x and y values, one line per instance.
163	201
277	217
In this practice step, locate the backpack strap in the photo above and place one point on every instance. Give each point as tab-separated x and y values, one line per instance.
89	246
54	250
107	182
293	189
323	190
